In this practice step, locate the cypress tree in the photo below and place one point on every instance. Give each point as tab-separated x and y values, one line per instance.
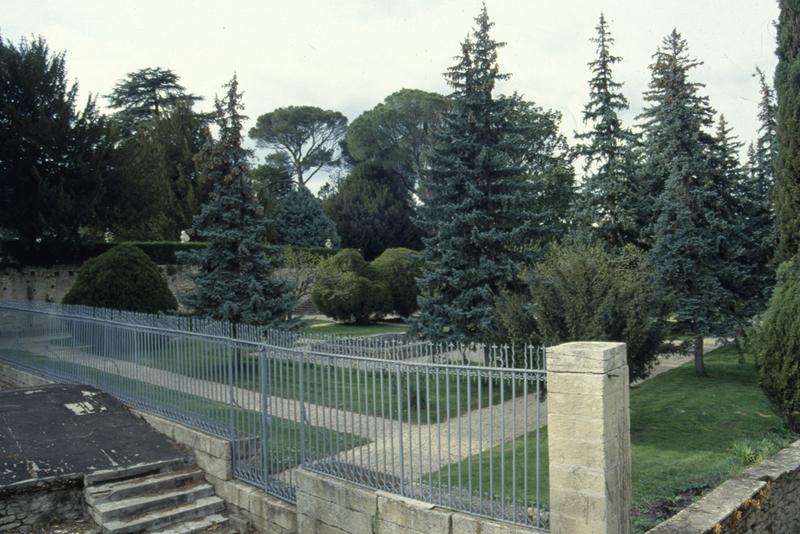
474	216
787	165
236	280
680	182
605	198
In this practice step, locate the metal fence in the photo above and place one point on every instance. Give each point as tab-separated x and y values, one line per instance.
457	426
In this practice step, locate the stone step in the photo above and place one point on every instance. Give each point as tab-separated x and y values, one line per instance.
133	507
115	491
108	475
203	507
216	523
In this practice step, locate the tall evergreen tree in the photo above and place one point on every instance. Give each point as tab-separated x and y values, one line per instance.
300	221
605	200
787	165
53	153
236	281
474	216
372	210
682	183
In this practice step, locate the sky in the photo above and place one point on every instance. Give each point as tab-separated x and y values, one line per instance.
348	55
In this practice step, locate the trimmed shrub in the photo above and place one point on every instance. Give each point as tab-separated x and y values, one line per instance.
776	343
347	290
123	278
398	268
582	292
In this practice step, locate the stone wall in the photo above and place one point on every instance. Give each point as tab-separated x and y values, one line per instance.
34	505
12	378
330	506
763	499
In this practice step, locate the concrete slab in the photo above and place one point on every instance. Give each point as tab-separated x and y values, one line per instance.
61	429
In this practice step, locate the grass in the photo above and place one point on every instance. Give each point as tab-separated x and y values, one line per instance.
217	417
353	330
688	434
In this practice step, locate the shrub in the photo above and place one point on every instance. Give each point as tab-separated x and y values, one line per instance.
398	268
776	343
581	292
124	278
347	290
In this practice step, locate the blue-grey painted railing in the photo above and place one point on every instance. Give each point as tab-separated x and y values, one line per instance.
457	426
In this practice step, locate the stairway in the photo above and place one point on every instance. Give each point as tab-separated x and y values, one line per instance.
169	497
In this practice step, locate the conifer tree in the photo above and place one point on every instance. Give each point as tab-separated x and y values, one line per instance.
236	281
300	221
787	165
605	200
681	174
474	216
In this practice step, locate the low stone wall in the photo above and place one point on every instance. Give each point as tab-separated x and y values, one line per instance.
34	505
213	455
330	506
765	498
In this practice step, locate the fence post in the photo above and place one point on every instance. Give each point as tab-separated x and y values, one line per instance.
588	424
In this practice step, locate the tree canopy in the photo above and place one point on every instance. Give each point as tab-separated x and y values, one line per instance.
308	135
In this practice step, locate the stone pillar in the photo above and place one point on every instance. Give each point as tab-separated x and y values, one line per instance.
588	433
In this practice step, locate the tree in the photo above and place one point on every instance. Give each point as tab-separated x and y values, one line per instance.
398	268
787	164
124	278
691	245
147	94
372	210
236	280
300	221
346	288
605	200
300	270
474	218
53	156
582	291
398	133
307	134
272	180
777	344
154	189
546	168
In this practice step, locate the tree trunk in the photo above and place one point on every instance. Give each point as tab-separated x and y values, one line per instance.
699	365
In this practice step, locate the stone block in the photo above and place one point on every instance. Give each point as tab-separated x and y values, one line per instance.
333	490
586	357
411	514
217	467
469	524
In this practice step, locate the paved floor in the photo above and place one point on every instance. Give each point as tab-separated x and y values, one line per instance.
60	430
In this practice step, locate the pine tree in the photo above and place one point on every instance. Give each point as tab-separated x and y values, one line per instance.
300	221
757	190
474	216
680	183
787	164
236	280
604	201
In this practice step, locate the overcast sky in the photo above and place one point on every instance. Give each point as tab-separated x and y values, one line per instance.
348	55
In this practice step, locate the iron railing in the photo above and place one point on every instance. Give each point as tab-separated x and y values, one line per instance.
458	426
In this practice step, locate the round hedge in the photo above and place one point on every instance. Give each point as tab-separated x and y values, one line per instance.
399	268
124	278
346	288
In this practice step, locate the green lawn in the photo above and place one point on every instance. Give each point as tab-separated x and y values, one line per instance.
339	329
688	433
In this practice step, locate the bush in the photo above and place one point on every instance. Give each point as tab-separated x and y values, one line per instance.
124	278
398	268
347	290
776	343
581	292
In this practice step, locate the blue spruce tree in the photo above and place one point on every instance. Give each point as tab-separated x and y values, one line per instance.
474	217
236	280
